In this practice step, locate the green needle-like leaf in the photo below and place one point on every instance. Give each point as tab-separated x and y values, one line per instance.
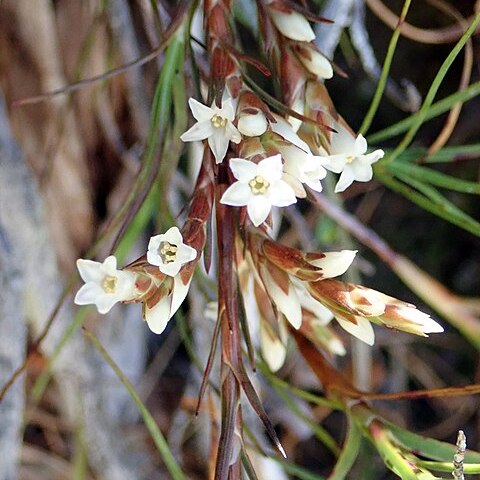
150	423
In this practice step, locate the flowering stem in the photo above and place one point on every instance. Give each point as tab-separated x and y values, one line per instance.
230	332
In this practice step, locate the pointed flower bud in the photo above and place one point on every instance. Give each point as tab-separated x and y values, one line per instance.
292	25
355	306
315	62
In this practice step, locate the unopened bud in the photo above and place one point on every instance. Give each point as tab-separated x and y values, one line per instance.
315	62
292	25
252	124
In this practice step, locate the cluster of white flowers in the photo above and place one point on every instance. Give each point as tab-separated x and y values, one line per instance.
276	180
105	285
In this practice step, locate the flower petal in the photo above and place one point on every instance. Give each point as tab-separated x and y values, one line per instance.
335	263
200	111
110	265
285	130
218	143
258	208
237	195
281	194
170	269
158	316
360	145
342	141
374	156
180	292
185	254
270	168
363	330
105	302
346	179
362	171
243	170
228	110
199	131
88	293
232	133
335	163
89	270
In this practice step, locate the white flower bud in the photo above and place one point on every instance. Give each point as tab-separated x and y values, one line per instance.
252	125
292	25
316	63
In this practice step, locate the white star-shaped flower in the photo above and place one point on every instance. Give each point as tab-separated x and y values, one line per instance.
104	284
303	167
214	124
348	156
259	187
168	252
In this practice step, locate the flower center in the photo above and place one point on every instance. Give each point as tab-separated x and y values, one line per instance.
109	284
168	252
258	185
350	158
218	121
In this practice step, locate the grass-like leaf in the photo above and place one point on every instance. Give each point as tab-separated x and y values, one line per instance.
432	92
348	454
445	155
428	447
157	436
367	121
431	200
435	110
435	178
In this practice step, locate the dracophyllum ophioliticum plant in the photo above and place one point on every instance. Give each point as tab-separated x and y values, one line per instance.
257	160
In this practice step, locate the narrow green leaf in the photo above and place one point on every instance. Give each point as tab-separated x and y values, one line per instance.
435	178
159	121
80	464
437	81
429	447
431	201
445	155
348	454
150	423
367	121
43	380
468	468
435	110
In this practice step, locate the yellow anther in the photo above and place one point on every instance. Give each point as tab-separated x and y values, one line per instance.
218	121
168	252
258	185
350	158
109	284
